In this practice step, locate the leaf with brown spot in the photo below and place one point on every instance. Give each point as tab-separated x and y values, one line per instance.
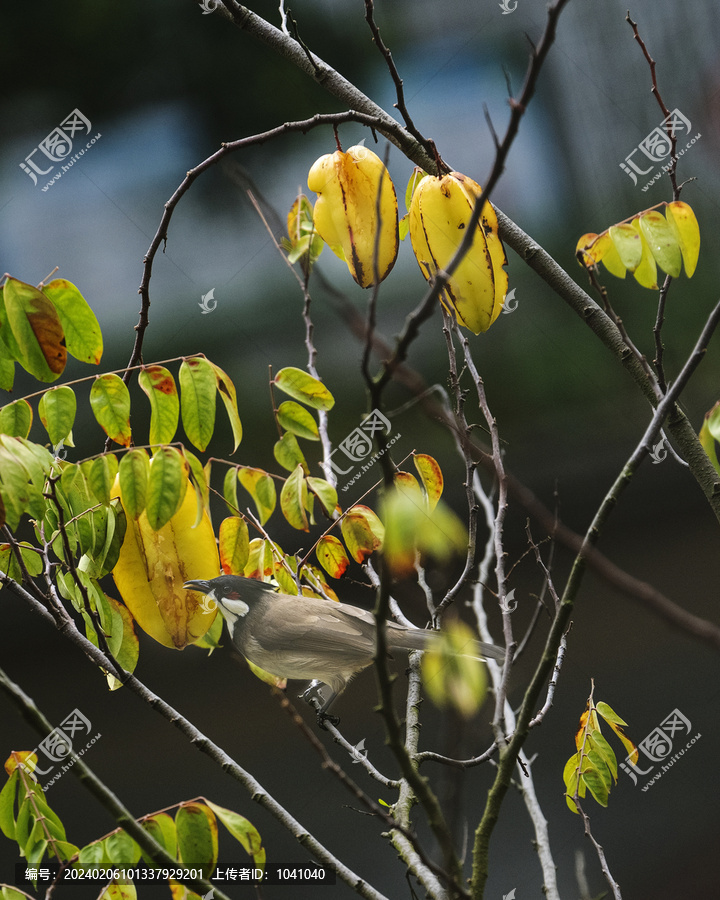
33	332
159	386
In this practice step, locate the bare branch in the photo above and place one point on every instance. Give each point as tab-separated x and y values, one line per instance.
663	107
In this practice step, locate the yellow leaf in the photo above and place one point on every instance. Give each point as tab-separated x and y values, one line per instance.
685	226
646	271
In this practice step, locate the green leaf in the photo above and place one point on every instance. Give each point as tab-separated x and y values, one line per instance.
415	179
199	482
93	854
228	395
594	782
234	545
303	387
167	485
713	421
36	845
294	499
304	244
77	495
261	488
450	677
57	410
295	418
662	241
230	491
599	745
101	477
197	835
25	821
16	418
288	454
242	830
122	849
110	403
14	487
628	244
707	437
32	331
134	473
159	386
162	827
197	400
609	714
129	650
83	337
7	805
326	494
10	893
7	371
410	529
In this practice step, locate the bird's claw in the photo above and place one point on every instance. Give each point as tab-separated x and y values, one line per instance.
323	717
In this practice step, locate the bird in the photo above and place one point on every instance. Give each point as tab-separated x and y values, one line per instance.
308	638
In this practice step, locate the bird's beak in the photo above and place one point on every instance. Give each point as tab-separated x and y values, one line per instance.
203	586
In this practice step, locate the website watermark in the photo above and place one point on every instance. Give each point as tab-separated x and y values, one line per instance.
58	746
659	745
357	752
359	443
510	304
57	147
506	8
659	452
209	6
206	300
508	603
657	146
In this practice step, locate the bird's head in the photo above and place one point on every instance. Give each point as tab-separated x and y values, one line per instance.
233	594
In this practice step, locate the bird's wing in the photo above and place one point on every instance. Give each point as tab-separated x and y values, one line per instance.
315	626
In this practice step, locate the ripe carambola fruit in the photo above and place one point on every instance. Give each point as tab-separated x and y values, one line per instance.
439	213
154	565
346	211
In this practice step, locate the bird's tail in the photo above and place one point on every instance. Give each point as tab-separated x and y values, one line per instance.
419	638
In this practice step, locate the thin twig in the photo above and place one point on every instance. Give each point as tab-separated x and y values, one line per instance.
614	886
255	790
661	103
657	332
109	801
562	616
374	808
400	105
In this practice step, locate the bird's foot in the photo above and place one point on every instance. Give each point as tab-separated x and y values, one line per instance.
314	696
323	717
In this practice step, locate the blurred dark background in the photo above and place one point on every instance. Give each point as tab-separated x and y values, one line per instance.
164	85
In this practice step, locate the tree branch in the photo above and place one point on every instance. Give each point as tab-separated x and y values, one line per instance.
253	787
509	756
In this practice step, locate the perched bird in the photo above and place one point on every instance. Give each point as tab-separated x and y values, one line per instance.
305	637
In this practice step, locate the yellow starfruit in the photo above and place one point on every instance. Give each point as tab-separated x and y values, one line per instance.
440	210
346	211
153	566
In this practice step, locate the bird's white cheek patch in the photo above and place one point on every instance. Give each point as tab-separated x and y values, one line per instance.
236	607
